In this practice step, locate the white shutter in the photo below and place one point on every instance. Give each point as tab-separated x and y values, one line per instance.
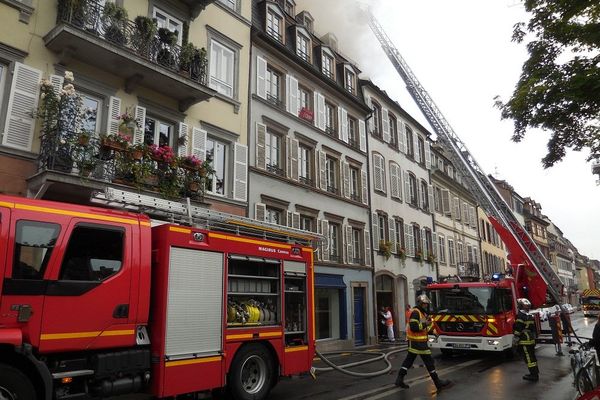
402	137
434	245
240	173
420	203
320	105
325	232
465	213
407	194
416	147
392	229
431	199
446	202
456	208
362	135
293	158
346	168
261	158
370	120
320	246
386	125
261	77
367	239
343	124
427	155
296	220
424	243
473	216
377	172
183	133
364	187
114	115
322	170
260	212
400	182
138	133
394	170
288	218
349	245
292	94
375	219
57	83
316	109
409	239
199	143
23	101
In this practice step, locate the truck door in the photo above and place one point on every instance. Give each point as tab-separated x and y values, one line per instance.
87	300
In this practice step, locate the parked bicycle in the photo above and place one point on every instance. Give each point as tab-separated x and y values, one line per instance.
586	368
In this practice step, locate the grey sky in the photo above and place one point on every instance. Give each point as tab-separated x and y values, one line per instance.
461	52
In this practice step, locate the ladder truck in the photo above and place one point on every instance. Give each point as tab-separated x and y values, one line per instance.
477	315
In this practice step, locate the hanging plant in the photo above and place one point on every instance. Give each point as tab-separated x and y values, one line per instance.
386	248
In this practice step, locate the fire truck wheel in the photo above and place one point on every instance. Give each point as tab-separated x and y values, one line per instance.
14	385
251	374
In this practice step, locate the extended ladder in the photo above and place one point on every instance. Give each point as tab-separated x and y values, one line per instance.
482	188
200	217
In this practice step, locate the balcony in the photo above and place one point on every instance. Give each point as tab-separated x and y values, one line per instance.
86	32
468	270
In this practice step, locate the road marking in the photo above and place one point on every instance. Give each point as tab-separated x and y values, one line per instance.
393	389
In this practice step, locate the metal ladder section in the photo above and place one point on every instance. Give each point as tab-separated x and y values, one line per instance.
482	188
200	217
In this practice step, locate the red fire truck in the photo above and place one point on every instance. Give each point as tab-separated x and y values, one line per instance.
590	300
99	302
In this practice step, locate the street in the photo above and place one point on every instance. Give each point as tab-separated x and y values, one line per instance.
489	375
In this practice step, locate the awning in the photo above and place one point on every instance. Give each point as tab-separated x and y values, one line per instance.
330	281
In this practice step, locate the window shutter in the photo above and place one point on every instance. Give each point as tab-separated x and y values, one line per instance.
407	196
400	182
322	170
261	77
288	218
114	115
57	83
434	244
325	230
425	249
473	216
240	173
183	133
364	187
427	155
416	147
475	254
362	135
260	211
344	125
292	94
138	133
375	224
320	111
446	202
199	143
296	220
456	209
431	199
394	180
392	229
23	101
386	125
349	245
420	202
261	157
316	109
367	239
320	246
346	167
402	137
465	213
409	239
370	120
293	158
377	173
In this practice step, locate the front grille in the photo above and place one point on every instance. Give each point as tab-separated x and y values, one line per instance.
461	327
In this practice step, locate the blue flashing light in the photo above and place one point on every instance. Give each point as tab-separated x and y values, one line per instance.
429	280
495	277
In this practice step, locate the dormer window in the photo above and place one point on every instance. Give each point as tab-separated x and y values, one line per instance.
350	81
328	64
290	7
303	45
274	25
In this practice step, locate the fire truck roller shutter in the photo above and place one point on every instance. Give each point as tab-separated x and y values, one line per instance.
195	301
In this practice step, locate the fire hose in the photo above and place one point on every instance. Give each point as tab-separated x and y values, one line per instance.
379	356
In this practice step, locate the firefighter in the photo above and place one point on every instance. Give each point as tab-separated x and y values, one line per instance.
524	335
417	330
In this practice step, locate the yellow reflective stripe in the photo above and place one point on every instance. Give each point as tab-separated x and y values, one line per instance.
118	333
269	334
240	336
180	230
473	318
7	204
82	335
76	214
415	320
445	318
492	327
192	361
415	351
252	241
417	337
297	348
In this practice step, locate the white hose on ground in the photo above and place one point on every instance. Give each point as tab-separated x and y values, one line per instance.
343	368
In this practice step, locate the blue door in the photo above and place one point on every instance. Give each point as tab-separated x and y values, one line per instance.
359	316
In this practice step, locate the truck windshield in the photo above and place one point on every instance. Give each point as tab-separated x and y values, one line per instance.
469	300
591	300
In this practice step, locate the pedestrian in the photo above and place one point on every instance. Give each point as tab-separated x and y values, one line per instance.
555	328
595	342
524	331
386	313
419	325
565	319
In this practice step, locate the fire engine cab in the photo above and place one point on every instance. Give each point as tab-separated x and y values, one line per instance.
99	302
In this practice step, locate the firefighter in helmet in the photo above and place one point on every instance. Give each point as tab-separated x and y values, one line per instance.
525	332
417	330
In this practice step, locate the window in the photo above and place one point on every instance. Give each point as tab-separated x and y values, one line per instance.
379	172
410	146
305	164
330	126
34	242
451	257
216	155
334	242
93	254
222	67
353	138
355	190
307	223
356	246
331	170
274	86
460	253
424	196
428	243
304	97
303	47
421	148
93	111
376	117
274	23
327	313
289	7
437	199
350	81
273	152
328	66
412	183
158	132
383	228
229	3
164	20
274	216
399	224
417	239
442	248
393	130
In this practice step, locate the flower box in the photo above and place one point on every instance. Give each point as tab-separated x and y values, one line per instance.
137	154
306	114
113	145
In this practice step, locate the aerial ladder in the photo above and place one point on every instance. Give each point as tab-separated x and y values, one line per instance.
523	250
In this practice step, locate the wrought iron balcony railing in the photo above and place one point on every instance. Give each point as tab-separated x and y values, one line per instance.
275	169
305	180
468	269
91	17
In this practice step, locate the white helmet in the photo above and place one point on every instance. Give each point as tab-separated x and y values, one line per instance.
423	299
523	303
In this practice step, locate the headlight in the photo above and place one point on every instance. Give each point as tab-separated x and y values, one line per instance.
493	342
433	339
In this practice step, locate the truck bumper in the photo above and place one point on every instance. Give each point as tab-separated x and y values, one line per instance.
480	343
594	313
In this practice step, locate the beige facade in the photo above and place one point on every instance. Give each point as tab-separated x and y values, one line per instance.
194	102
493	253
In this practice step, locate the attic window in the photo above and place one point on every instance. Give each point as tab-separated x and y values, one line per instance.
303	47
289	7
274	25
328	65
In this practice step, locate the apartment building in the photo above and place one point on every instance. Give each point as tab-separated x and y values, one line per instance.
308	168
456	220
403	239
493	252
562	259
143	72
